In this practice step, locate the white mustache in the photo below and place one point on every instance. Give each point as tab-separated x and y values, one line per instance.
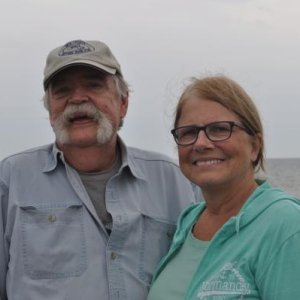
72	111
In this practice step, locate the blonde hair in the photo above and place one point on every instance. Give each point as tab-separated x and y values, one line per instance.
231	95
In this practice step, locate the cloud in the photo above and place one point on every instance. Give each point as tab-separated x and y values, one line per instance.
159	45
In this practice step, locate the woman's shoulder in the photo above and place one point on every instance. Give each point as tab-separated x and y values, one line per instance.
189	215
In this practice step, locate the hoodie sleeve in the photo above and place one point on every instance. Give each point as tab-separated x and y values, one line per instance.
280	281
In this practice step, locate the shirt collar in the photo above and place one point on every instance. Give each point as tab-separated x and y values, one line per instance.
56	155
53	157
129	162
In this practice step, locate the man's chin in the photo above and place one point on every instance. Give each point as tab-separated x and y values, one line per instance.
82	142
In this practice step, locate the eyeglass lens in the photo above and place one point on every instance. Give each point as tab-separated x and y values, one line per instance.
215	132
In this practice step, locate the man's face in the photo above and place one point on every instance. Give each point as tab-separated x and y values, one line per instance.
85	108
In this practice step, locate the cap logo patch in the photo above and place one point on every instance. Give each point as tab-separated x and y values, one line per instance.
75	47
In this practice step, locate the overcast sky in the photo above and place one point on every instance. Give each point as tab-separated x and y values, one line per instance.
160	44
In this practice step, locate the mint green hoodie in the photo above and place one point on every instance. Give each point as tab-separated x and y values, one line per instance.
255	255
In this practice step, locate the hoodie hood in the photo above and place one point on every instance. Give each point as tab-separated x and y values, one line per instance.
261	199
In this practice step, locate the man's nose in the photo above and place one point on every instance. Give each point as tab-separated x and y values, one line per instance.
78	95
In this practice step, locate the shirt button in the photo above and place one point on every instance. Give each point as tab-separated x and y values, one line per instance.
113	255
52	218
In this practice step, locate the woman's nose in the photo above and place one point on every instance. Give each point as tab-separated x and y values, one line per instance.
202	141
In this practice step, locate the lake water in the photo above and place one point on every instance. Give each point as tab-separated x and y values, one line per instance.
284	173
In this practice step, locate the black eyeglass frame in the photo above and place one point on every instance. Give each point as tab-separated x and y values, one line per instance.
204	128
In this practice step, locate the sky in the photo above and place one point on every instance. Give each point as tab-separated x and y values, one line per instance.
160	44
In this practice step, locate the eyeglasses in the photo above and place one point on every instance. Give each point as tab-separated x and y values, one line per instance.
215	132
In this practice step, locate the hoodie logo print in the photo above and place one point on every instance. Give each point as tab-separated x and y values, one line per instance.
224	285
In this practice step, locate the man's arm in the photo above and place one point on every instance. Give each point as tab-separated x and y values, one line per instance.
3	245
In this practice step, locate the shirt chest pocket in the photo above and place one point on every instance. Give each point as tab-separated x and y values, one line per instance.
53	241
155	242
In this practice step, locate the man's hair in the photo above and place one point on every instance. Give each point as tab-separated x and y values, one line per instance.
231	95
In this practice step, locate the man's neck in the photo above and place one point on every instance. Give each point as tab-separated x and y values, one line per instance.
90	159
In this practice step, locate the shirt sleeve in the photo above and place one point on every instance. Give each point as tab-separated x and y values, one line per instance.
3	246
280	281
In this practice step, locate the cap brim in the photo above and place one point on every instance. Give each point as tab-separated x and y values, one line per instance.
85	63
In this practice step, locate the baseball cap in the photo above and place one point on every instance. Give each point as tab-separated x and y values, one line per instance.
94	54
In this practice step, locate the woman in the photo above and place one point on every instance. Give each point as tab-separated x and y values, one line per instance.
243	241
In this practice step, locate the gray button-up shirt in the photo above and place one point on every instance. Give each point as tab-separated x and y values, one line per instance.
52	243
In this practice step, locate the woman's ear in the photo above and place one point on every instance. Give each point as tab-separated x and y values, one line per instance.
256	142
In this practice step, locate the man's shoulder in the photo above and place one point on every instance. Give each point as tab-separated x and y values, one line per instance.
163	172
28	155
150	156
21	164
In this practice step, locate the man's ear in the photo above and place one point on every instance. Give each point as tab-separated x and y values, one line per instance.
124	105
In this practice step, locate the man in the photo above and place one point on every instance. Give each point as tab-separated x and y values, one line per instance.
85	217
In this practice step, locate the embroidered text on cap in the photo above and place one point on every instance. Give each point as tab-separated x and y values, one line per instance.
76	47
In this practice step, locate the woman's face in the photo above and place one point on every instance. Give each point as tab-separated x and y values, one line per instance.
216	164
